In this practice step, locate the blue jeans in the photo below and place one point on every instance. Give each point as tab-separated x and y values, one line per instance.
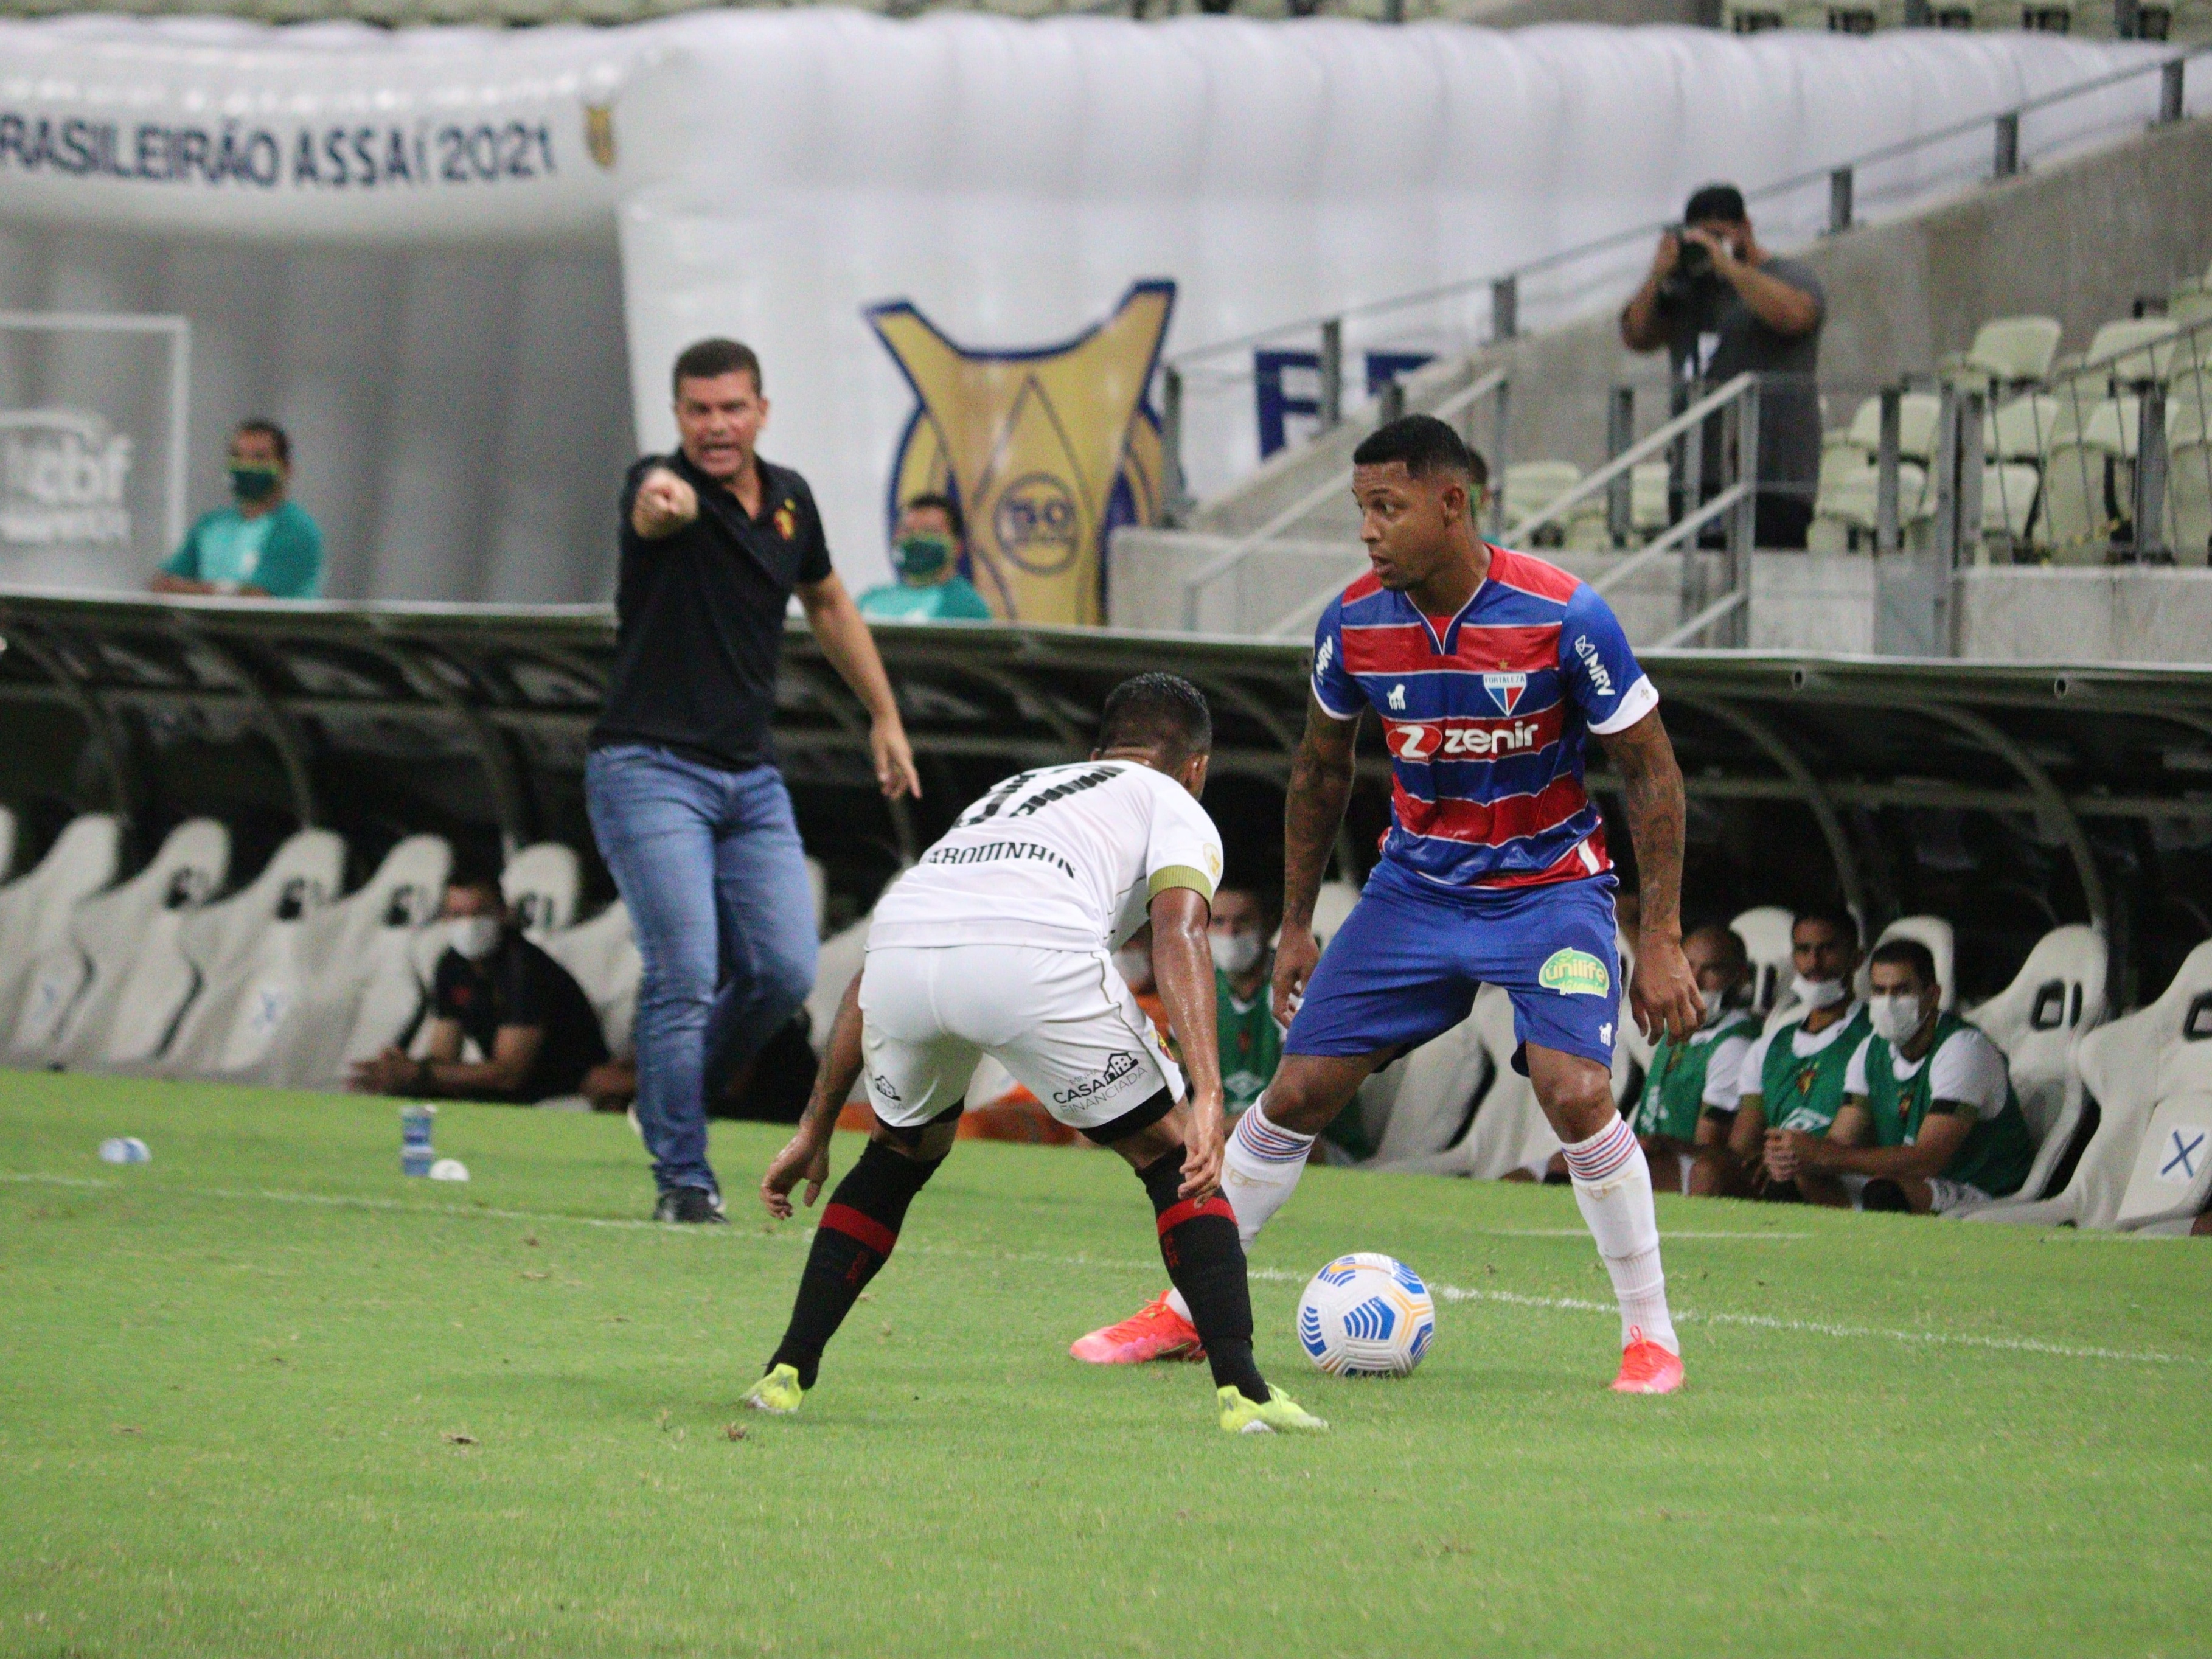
710	865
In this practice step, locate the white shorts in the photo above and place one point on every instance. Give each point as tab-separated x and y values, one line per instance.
1062	1021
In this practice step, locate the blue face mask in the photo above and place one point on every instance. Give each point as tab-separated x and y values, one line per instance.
921	555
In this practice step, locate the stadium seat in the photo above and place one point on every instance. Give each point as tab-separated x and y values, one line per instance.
35	910
2189	493
358	991
1941	940
2022	428
2057	995
2173	1173
602	954
1765	935
541	883
2005	350
2129	1068
117	982
2009	492
1427	1102
246	969
1331	906
1848	508
1647	497
841	956
1532	486
2087	478
1918	415
1509	1131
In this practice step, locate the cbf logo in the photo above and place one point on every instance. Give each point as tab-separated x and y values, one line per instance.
62	479
1506	691
1049	449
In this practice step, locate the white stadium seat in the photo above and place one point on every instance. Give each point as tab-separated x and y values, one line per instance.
358	992
115	986
602	954
541	883
246	969
2173	1173
2130	1067
1510	1131
842	955
1424	1101
35	911
2005	349
1332	904
2057	995
1765	932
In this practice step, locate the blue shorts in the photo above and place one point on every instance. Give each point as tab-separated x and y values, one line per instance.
1406	964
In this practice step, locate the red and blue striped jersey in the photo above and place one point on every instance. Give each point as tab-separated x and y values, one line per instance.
1485	718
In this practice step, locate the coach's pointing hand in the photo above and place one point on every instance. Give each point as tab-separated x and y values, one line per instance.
664	504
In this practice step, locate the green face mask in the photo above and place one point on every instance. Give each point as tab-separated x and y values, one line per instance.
255	484
921	555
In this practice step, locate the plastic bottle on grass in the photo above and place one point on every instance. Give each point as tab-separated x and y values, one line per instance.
416	1155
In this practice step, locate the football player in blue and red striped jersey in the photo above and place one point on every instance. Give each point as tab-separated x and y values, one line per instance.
1488	668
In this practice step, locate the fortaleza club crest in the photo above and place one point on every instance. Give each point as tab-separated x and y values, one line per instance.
1575	974
1048	450
1506	691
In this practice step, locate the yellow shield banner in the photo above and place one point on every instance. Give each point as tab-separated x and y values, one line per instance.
1047	451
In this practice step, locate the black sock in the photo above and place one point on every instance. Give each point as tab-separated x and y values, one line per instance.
1206	1262
859	1228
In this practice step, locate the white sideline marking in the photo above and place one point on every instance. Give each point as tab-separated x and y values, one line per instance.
1271	1275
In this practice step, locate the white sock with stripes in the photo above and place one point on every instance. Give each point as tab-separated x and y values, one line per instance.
1260	1170
1612	1186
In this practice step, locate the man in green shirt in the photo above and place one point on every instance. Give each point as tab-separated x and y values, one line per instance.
1243	968
1792	1077
265	546
1929	1112
931	540
1705	1071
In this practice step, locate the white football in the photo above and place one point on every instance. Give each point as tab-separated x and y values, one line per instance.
1366	1314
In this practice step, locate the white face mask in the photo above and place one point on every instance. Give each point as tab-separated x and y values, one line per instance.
1234	953
476	937
1817	993
1134	964
1894	1017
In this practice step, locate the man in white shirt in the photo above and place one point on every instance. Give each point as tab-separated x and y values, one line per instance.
1000	942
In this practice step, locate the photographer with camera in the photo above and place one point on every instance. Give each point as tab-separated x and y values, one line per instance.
1721	304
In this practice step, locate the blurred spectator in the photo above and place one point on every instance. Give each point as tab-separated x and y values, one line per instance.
927	552
1792	1078
1244	966
265	546
526	1014
1721	305
1690	1091
1929	1116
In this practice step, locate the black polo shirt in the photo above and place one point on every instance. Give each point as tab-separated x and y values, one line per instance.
518	984
699	617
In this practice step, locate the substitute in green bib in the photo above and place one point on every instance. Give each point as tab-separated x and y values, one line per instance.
932	539
1244	1018
1792	1077
1702	1073
1930	1115
263	546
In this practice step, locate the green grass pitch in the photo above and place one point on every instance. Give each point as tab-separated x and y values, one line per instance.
265	1396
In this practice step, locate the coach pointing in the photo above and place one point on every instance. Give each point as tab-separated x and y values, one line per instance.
690	813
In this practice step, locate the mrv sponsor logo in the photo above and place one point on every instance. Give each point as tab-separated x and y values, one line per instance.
1118	1065
62	475
1601	677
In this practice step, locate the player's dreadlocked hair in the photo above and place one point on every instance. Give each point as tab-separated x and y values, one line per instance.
1425	445
1157	711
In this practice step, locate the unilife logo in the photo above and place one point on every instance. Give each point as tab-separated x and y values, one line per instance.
1601	677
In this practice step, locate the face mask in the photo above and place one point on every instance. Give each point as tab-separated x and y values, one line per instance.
1714	1010
476	937
1817	993
921	555
1234	953
1135	966
1895	1017
255	484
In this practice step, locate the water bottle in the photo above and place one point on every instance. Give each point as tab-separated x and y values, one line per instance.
416	1156
125	1149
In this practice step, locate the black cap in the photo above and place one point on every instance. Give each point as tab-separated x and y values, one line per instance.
1715	202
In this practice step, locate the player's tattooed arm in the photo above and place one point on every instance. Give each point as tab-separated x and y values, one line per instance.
806	1156
1321	784
1182	968
1663	992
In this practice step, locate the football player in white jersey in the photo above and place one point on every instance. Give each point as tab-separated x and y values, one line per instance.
1000	941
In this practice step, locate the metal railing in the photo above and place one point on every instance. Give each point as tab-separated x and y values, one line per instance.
1230	557
1504	287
